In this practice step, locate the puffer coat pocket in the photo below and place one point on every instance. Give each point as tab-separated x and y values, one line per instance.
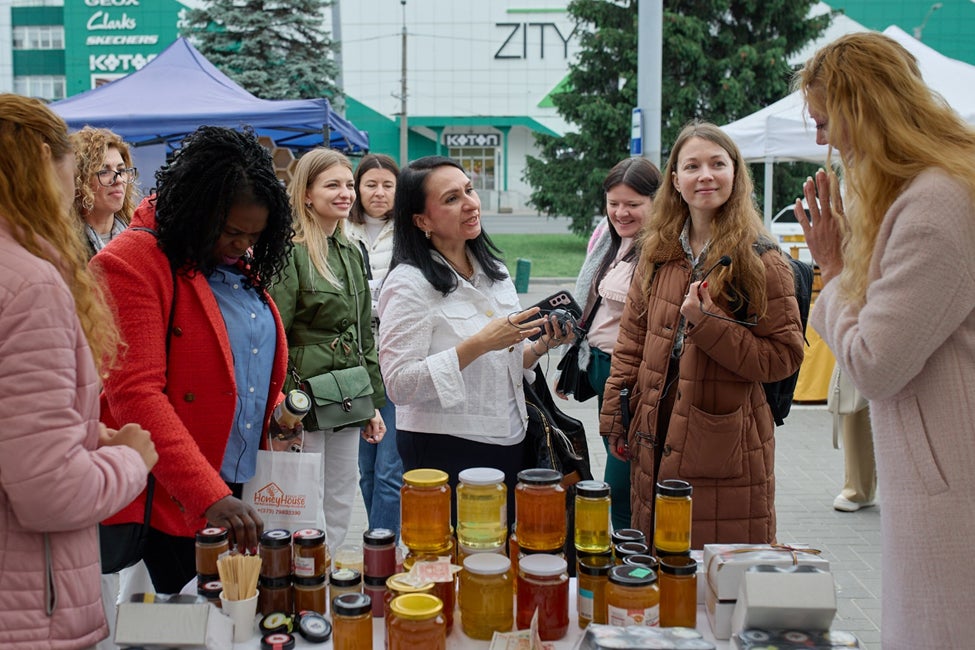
713	445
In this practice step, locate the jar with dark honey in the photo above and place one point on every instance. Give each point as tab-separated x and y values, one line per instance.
543	584
417	622
211	543
378	553
425	510
352	622
344	581
275	595
540	509
275	552
310	557
310	594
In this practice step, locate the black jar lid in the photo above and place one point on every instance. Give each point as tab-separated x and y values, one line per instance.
560	550
276	538
353	604
309	537
345	577
277	641
376	582
276	623
642	559
210	589
539	476
631	548
378	537
212	535
631	575
628	535
674	487
308	581
592	489
595	565
678	565
313	627
274	583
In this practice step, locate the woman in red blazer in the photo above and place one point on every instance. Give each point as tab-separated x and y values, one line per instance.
220	226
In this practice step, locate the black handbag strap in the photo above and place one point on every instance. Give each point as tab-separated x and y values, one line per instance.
584	326
151	481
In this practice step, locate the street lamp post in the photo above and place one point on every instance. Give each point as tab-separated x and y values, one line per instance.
403	129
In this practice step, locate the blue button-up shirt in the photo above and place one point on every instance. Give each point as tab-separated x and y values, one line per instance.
253	336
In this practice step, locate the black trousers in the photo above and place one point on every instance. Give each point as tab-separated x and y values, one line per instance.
453	455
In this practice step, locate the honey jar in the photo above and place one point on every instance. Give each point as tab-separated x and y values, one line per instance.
311	557
425	510
211	543
275	552
486	605
352	622
632	596
543	584
672	517
417	622
540	509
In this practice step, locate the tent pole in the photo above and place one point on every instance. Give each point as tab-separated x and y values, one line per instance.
768	192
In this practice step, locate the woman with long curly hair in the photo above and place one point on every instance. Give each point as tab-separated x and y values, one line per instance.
206	352
61	471
105	192
711	314
898	310
326	308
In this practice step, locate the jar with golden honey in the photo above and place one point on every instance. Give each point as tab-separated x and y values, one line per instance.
425	510
540	509
352	622
446	590
592	524
310	594
344	581
399	584
592	580
311	557
417	622
672	517
678	591
543	584
486	605
275	552
211	543
632	597
275	595
482	508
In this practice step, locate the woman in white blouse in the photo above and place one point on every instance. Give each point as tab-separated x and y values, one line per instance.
453	339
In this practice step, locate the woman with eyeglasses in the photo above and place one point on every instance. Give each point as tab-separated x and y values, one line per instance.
105	192
898	310
60	471
697	339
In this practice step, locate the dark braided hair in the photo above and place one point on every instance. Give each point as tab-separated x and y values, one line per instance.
215	169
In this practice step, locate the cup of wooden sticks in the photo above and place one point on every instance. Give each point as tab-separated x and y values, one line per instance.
239	573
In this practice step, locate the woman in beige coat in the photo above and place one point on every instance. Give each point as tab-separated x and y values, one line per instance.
694	353
898	310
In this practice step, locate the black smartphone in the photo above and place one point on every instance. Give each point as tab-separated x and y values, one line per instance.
560	300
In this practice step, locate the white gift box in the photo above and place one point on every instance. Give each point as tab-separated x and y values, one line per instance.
795	597
725	564
719	615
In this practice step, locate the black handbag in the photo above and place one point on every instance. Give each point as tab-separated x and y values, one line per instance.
572	379
554	440
124	545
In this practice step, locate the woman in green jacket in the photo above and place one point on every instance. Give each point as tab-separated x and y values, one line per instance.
324	300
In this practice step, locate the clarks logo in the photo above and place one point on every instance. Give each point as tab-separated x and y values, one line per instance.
272	495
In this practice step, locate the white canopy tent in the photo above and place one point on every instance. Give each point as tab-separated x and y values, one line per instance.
781	132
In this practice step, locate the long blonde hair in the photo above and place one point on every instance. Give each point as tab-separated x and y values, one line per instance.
735	229
892	127
308	229
31	202
90	146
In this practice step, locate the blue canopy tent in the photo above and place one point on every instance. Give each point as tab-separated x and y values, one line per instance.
180	90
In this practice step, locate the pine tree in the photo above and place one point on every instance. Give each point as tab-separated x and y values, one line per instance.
722	59
276	49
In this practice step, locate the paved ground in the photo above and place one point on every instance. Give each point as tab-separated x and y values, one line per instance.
809	473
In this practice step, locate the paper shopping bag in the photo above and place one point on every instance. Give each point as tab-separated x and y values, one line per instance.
287	490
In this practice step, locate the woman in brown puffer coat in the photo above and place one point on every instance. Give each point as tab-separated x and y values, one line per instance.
698	337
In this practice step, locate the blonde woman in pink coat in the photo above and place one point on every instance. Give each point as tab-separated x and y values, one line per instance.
898	310
61	472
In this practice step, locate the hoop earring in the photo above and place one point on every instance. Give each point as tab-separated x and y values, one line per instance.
308	205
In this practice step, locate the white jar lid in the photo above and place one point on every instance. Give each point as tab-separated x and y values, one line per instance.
542	564
481	476
487	563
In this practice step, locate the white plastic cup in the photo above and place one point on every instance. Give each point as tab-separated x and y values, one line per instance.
243	613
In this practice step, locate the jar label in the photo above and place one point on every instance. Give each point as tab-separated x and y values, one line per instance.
305	567
585	604
621	616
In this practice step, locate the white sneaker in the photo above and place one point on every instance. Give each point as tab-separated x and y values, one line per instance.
843	504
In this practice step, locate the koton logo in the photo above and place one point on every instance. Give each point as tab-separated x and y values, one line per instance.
272	495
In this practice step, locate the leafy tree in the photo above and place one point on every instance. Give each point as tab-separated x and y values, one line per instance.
276	49
722	59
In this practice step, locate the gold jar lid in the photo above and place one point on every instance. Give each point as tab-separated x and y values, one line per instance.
416	607
425	477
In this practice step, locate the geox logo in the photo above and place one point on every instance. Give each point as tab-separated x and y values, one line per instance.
272	495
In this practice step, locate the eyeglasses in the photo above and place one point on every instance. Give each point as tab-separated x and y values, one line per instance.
108	177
